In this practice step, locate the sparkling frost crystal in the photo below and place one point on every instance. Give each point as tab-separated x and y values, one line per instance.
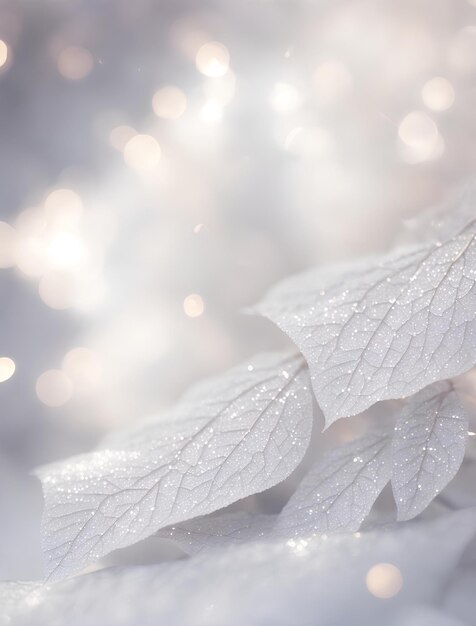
229	437
383	328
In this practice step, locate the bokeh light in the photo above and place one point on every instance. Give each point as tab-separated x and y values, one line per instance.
7	368
4	53
54	388
169	102
65	250
213	59
64	207
384	580
193	305
438	94
75	63
420	135
30	255
142	153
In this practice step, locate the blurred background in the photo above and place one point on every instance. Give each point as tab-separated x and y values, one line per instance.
164	162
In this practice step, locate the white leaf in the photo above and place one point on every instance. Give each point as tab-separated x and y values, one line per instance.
383	328
230	437
274	583
338	493
222	529
428	447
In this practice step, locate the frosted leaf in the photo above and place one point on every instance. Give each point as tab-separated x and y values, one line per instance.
339	492
427	448
274	583
214	531
230	437
383	328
